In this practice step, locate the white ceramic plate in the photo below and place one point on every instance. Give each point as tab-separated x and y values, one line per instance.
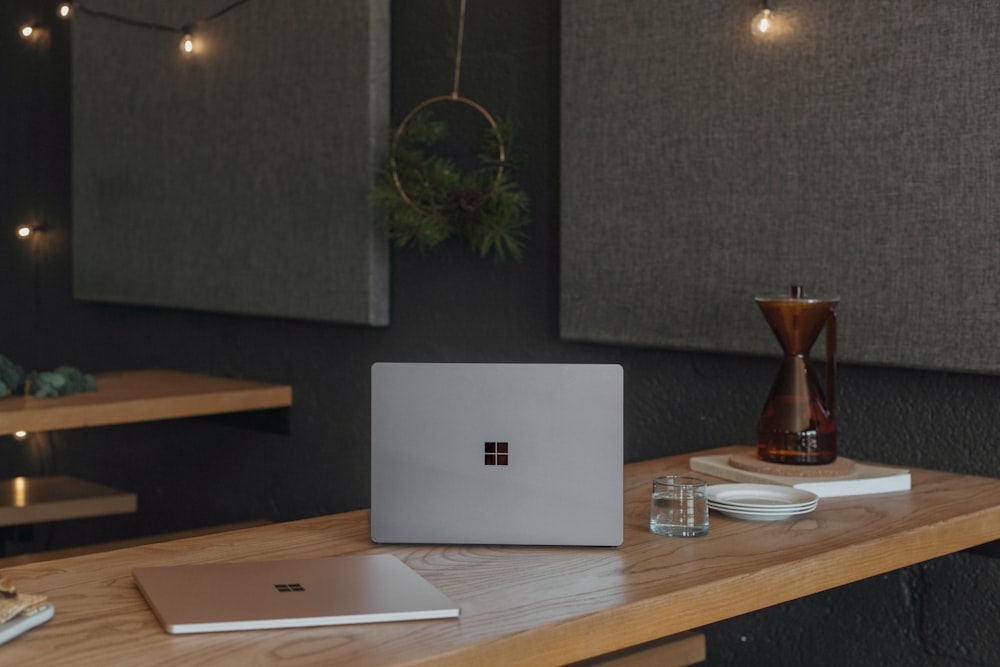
760	496
770	510
760	506
749	515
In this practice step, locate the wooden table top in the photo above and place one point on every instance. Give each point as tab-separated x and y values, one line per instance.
519	605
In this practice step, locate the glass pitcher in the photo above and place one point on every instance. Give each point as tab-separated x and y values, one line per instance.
797	424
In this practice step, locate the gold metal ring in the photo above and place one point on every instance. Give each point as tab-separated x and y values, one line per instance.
454	97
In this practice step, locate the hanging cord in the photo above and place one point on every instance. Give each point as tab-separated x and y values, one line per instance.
159	26
458	49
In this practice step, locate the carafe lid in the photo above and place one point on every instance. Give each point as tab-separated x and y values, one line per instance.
797	294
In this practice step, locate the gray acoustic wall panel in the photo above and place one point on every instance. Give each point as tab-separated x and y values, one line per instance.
856	152
236	178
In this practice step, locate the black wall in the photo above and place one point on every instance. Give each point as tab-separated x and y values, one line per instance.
447	306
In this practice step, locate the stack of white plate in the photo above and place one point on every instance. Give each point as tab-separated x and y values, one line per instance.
760	502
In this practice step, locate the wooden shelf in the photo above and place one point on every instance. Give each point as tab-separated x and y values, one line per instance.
25	500
121	397
144	395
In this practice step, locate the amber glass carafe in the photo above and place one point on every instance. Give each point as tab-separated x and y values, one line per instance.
797	424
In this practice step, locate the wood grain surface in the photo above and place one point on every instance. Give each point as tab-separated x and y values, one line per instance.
519	605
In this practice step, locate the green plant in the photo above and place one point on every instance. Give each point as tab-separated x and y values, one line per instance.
43	384
11	377
63	380
426	199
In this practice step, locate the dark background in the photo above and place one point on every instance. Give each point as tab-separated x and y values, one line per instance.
447	306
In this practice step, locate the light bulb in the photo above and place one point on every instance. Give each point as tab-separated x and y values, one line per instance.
762	22
64	10
20	435
24	231
187	44
27	30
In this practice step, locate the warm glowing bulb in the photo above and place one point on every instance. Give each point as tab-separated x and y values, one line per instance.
763	22
20	490
27	30
20	435
65	10
24	231
187	44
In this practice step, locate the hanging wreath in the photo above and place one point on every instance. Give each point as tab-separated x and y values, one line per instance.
426	199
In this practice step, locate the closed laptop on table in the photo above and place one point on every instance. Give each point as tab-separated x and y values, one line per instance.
255	595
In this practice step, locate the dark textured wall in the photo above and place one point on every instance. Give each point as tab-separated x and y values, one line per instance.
241	171
447	306
851	150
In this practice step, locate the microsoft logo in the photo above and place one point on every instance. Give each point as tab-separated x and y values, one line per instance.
289	588
496	453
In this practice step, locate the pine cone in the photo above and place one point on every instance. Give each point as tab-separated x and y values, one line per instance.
471	199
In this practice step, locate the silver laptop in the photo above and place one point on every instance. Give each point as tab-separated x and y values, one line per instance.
289	593
527	454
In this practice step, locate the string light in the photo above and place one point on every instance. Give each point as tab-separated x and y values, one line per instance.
66	10
763	21
25	231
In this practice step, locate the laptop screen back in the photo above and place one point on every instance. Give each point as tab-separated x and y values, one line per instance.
497	454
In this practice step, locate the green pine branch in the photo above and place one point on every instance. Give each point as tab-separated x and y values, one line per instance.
489	213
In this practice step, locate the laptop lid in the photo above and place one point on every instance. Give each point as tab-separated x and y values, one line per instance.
289	593
528	454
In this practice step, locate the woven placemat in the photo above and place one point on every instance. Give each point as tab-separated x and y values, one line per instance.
840	467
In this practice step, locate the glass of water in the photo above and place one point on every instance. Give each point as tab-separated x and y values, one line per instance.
679	506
